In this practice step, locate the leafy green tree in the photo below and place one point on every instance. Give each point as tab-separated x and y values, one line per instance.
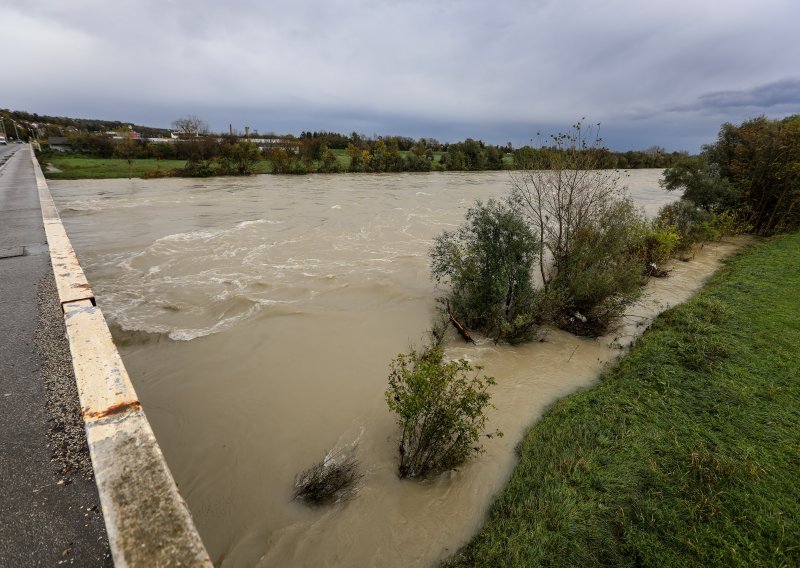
527	158
286	162
162	151
330	163
474	155
494	158
701	183
760	159
394	161
487	266
244	156
380	157
128	150
99	145
417	163
356	159
441	410
602	274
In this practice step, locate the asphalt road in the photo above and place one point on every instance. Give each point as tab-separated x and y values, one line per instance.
8	150
49	516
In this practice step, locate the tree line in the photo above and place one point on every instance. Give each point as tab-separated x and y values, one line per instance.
326	152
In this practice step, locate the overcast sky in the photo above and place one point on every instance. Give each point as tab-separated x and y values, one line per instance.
651	72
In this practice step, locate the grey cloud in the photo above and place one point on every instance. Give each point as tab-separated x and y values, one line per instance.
439	68
784	92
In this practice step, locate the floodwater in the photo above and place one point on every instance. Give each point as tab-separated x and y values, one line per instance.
257	318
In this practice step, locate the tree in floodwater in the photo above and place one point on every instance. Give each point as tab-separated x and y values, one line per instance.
441	410
487	266
585	229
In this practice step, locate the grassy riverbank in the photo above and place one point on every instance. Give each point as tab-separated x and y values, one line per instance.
72	166
686	453
79	167
84	167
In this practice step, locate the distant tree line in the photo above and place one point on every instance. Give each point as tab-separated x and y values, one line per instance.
62	125
208	154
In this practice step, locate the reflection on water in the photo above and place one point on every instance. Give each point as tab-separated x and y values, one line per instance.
257	318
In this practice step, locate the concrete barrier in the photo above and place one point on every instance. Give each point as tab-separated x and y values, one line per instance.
147	520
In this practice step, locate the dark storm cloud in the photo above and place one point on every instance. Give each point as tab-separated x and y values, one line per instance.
441	68
763	97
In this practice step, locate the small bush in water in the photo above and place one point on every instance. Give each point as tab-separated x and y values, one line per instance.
331	479
441	410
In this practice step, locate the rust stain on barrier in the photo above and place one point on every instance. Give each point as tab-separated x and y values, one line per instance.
114	409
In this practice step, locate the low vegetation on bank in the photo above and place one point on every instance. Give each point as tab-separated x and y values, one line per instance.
685	453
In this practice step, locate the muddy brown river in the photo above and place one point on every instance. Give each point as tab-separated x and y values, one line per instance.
257	318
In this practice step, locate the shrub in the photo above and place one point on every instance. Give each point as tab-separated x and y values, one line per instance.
333	478
658	245
588	234
441	410
487	264
693	224
726	223
602	273
198	167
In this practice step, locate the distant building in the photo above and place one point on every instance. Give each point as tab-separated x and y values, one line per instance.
59	143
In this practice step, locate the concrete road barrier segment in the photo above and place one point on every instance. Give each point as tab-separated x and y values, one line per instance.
147	520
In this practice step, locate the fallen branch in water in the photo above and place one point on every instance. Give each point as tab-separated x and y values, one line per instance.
462	331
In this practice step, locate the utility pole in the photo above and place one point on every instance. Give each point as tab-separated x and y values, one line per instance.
16	132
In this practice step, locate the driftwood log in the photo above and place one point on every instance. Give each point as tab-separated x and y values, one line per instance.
462	331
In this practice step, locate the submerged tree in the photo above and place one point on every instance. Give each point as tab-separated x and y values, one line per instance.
487	263
333	478
441	410
585	230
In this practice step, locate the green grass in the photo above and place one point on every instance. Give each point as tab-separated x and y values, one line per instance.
79	167
687	453
83	167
